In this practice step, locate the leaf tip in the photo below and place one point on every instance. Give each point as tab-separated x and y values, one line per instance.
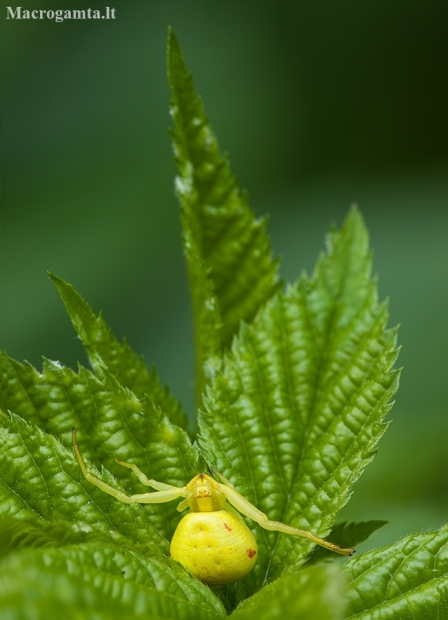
53	277
173	53
354	217
59	282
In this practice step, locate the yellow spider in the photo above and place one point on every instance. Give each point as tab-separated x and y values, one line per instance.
211	541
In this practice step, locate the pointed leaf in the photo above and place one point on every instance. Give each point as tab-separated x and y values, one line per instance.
39	478
229	256
295	413
316	593
99	578
111	422
408	580
347	535
105	351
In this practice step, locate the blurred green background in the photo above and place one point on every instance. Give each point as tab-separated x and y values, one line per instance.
318	103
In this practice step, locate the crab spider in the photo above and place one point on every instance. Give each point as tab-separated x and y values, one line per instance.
211	541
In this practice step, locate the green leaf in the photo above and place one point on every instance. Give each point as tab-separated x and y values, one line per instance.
228	252
111	422
407	580
99	579
39	478
17	534
106	352
296	411
316	593
347	535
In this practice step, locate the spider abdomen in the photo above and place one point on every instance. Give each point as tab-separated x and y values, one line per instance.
215	546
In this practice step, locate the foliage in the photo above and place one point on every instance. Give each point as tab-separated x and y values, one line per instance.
292	387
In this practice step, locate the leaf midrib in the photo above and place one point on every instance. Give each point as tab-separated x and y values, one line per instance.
301	459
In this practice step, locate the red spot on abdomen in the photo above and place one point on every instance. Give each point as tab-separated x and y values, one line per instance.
227	527
250	552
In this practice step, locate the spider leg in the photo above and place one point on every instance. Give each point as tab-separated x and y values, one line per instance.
249	510
183	505
158	497
159	486
222	478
